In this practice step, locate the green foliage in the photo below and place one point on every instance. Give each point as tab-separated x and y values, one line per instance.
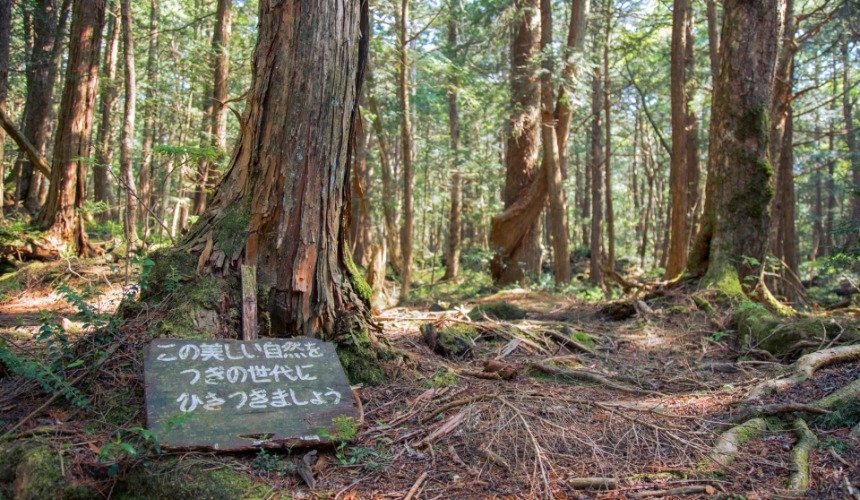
269	463
49	380
369	458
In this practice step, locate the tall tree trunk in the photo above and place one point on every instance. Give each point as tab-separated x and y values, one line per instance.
127	139
783	239
853	151
281	204
406	230
732	241
692	129
102	190
38	114
515	233
597	160
359	219
61	216
713	38
679	218
452	257
389	193
557	216
145	174
5	38
607	112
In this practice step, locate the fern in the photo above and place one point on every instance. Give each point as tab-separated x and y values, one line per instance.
51	382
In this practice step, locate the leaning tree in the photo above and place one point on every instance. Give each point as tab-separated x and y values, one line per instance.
277	222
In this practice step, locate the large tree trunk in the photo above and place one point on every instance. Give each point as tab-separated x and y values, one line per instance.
38	114
515	233
127	139
102	185
280	206
406	230
61	216
732	241
557	215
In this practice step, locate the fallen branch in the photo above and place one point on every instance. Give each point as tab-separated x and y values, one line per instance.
36	159
593	483
568	342
696	489
414	489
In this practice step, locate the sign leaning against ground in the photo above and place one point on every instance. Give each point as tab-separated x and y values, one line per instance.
239	395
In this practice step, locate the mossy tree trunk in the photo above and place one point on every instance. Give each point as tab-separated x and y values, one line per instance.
733	236
282	203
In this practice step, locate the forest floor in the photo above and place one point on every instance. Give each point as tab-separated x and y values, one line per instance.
626	407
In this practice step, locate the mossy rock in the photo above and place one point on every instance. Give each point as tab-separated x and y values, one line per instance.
174	479
454	340
499	310
31	470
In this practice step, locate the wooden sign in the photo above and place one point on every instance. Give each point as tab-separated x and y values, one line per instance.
235	395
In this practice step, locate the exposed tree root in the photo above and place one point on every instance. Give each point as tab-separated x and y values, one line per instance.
778	409
804	368
806	442
585	376
726	447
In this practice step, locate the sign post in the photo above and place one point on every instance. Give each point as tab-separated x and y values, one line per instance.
240	395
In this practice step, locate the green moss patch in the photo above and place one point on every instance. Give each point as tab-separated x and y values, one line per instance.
175	479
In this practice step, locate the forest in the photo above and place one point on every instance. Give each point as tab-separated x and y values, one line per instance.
559	248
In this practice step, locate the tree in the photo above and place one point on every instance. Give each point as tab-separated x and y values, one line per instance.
127	139
279	210
145	174
406	145
514	233
732	242
680	216
217	108
851	139
452	258
5	38
61	217
102	185
38	111
551	164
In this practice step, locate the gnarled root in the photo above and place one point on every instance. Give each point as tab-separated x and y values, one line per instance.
727	445
804	368
799	479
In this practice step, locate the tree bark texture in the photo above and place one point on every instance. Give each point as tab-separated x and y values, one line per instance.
281	204
127	182
61	216
406	147
732	241
514	234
